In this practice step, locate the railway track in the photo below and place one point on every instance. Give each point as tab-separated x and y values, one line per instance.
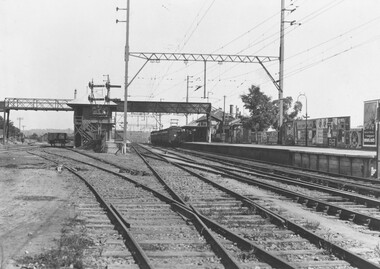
366	185
347	205
170	235
280	248
7	149
285	246
238	216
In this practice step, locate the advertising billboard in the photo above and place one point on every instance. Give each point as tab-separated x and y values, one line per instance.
369	124
324	132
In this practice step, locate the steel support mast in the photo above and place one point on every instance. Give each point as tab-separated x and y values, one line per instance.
125	136
281	71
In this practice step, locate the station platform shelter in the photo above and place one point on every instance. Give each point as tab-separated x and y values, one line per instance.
358	163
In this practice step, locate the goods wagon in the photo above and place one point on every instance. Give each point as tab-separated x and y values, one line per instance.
166	137
57	138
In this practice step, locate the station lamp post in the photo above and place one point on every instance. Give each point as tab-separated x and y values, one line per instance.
304	95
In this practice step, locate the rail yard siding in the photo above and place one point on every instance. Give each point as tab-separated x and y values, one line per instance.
345	162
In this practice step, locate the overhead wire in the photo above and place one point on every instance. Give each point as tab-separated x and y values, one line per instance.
332	56
185	42
310	17
234	40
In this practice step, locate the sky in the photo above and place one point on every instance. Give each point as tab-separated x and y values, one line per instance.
49	48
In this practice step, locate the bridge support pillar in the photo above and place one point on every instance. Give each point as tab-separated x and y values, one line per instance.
208	132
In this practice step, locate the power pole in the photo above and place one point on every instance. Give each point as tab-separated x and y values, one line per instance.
126	58
224	117
159	117
281	73
19	123
282	55
187	94
204	82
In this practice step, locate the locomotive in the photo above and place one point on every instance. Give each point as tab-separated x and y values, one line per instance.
171	136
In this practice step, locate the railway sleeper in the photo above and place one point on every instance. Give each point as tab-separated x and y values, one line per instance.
307	252
320	207
149	216
154	223
320	264
362	220
311	204
334	211
296	244
374	224
265	234
332	199
191	265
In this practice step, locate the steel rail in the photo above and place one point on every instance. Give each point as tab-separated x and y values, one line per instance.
357	217
15	149
162	181
357	187
368	201
313	238
117	220
121	226
265	255
319	205
232	159
261	253
226	258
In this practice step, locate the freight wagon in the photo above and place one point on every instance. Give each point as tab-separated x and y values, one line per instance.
57	138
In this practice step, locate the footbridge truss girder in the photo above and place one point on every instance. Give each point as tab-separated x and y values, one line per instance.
36	104
43	104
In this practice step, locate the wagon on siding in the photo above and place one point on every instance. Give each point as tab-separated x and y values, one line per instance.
57	139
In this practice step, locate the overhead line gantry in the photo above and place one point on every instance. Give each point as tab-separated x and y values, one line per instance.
197	57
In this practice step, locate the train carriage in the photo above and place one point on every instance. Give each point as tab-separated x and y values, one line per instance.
166	137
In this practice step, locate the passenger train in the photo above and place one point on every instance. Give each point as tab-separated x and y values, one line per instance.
172	136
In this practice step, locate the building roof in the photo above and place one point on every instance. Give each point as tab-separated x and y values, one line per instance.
217	114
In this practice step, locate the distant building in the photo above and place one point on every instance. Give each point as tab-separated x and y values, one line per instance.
197	129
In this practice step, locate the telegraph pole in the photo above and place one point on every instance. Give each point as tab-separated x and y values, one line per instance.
204	80
281	73
224	118
126	58
19	123
187	95
282	55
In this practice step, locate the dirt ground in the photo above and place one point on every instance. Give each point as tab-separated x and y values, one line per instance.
35	200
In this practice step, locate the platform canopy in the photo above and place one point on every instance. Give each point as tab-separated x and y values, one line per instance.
165	107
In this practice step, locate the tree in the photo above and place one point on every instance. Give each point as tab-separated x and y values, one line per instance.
34	136
13	131
260	107
288	115
264	111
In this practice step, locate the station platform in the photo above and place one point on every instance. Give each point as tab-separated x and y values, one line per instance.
358	163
